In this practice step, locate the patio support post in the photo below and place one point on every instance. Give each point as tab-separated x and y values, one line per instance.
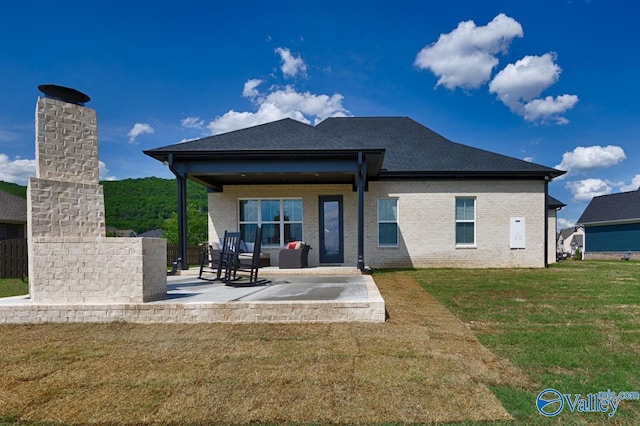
362	172
182	214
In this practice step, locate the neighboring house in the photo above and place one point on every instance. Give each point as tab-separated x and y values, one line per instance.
570	239
612	225
13	216
123	233
154	233
369	192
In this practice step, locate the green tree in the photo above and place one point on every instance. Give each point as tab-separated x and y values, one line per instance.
197	227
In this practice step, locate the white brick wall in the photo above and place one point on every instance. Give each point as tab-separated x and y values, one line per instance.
70	259
74	270
65	209
66	142
427	221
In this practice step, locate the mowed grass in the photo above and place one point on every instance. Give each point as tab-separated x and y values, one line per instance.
422	365
13	287
574	327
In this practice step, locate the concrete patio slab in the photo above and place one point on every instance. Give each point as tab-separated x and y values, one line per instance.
285	298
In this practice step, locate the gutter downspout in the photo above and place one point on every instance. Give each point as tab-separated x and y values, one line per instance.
546	221
182	214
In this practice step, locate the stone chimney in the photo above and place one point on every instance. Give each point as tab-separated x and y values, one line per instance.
66	190
70	259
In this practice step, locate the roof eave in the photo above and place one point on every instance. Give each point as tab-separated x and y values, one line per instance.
466	174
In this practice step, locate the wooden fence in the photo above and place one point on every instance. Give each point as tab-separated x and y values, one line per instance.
13	258
193	254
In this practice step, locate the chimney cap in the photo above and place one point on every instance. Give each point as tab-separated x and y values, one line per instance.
65	94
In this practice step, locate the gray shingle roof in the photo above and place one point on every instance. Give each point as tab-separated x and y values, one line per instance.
554	203
12	208
409	146
412	147
612	207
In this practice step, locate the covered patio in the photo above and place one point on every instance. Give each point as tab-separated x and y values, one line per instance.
245	160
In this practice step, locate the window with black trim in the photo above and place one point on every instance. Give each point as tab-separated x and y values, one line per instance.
281	220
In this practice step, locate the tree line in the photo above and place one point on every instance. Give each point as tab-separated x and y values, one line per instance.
148	203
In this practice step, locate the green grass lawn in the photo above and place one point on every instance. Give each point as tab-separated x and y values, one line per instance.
13	287
574	327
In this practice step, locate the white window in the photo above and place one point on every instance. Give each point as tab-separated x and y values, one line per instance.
465	221
281	220
388	222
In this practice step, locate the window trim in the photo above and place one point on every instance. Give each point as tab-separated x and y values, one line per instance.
396	221
474	221
280	223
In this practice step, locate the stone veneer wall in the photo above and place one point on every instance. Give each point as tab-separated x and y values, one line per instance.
70	259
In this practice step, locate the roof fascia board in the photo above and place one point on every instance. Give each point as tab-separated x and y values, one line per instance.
611	222
220	167
439	175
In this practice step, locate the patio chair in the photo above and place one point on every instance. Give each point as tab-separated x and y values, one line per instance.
253	267
294	258
223	262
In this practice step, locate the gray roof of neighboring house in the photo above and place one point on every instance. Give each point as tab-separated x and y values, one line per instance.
154	233
12	208
409	147
567	232
613	207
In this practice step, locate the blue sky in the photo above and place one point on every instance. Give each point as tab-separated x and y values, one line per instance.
553	82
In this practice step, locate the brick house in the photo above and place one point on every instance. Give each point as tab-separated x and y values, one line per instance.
13	216
370	192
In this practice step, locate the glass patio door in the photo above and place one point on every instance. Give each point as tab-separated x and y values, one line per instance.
331	229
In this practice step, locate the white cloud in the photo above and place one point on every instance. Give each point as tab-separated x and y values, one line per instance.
278	104
565	223
635	184
586	189
137	130
291	65
525	80
234	120
250	86
103	172
584	159
528	159
192	123
518	85
465	57
549	108
17	171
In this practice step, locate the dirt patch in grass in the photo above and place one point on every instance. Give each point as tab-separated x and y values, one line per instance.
422	365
